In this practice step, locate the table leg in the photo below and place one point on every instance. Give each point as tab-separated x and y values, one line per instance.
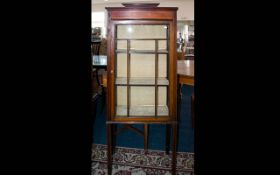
192	110
146	134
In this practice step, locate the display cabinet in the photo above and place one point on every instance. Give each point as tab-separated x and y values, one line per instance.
142	78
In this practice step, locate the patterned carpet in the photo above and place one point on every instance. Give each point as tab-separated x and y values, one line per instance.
131	161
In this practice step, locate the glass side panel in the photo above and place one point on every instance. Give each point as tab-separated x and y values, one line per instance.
142	31
121	65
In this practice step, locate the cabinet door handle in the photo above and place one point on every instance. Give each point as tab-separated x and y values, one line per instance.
112	71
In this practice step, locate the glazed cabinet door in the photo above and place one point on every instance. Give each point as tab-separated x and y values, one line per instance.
141	82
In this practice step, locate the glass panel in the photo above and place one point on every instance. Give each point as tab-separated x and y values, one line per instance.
142	96
141	31
162	45
142	101
162	95
121	65
162	101
121	45
142	45
121	101
162	65
142	65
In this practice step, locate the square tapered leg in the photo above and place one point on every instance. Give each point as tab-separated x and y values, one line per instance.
167	139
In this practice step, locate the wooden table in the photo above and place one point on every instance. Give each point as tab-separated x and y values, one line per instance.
185	71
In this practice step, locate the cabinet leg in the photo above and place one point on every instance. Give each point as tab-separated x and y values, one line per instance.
174	149
167	139
114	137
146	134
109	144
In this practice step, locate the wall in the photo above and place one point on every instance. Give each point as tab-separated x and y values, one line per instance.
185	11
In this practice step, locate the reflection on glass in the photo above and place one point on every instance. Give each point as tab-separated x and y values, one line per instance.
141	31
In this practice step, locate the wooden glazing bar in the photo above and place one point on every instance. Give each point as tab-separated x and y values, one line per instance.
128	76
156	77
167	69
116	75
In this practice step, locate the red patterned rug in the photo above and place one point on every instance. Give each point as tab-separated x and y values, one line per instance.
130	161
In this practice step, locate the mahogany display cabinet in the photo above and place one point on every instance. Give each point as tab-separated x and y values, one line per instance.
142	69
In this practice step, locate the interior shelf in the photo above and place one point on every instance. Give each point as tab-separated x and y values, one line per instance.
141	81
141	39
141	51
142	111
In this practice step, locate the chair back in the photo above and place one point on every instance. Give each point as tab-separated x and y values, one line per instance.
95	47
